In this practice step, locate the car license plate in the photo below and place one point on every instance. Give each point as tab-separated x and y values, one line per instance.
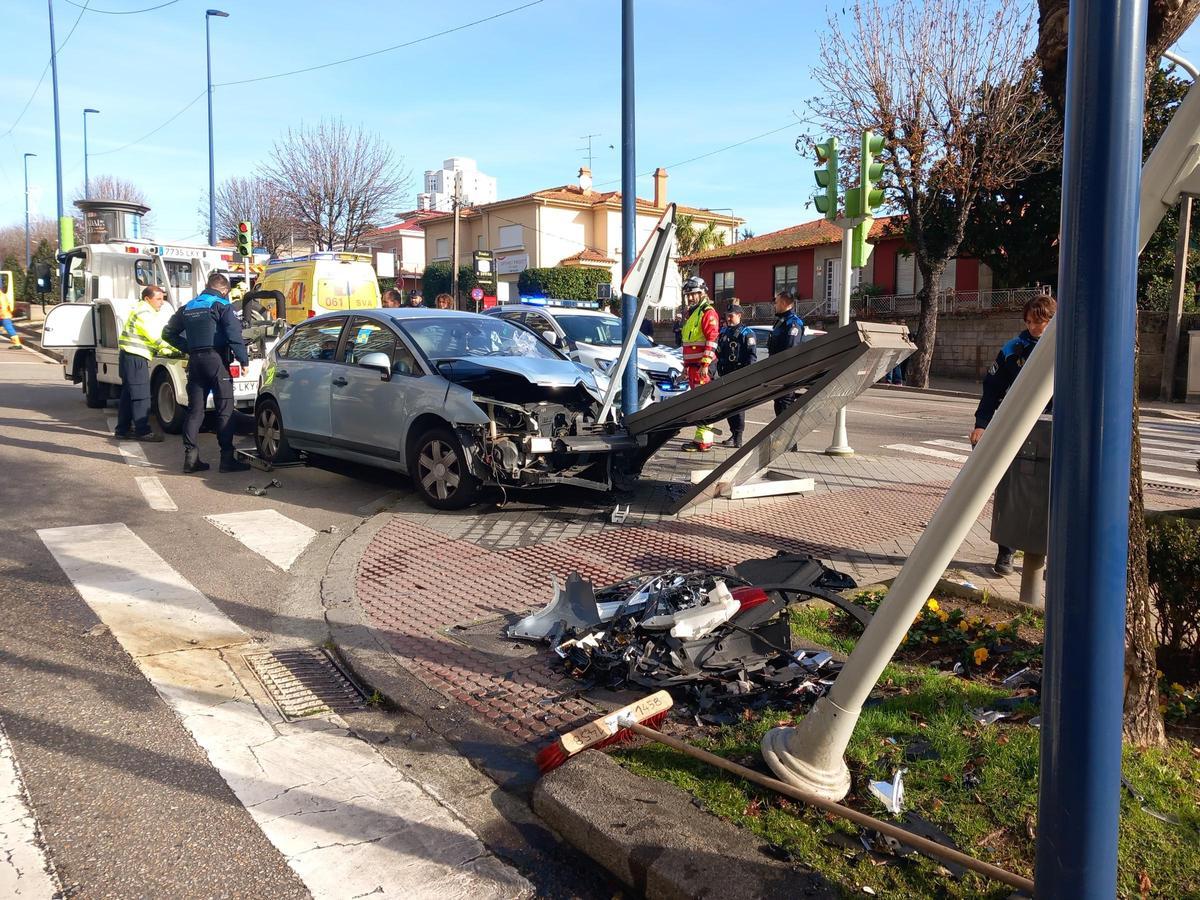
245	388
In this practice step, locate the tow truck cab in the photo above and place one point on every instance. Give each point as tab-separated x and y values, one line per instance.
104	280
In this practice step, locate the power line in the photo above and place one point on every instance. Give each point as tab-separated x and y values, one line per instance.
748	140
420	40
37	87
155	131
121	12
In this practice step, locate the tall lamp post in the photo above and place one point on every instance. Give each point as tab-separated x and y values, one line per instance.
212	172
87	192
66	227
27	256
629	384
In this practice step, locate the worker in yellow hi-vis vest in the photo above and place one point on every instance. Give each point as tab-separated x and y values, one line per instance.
7	306
700	331
140	341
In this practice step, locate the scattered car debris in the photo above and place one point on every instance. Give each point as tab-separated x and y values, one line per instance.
262	491
1141	800
1026	677
890	793
331	529
619	514
720	640
988	716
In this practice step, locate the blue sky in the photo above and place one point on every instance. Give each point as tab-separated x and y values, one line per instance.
515	93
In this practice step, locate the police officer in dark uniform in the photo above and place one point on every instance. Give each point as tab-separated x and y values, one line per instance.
209	332
736	347
787	333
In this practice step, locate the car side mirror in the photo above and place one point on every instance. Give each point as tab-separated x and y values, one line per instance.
379	362
551	338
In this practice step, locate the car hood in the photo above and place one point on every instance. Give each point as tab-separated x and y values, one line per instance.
652	359
547	373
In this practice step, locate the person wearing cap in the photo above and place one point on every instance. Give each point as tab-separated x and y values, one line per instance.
700	331
736	348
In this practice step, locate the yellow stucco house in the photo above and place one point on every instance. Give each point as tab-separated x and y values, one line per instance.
570	225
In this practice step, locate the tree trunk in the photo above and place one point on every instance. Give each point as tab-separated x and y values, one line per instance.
921	361
1143	725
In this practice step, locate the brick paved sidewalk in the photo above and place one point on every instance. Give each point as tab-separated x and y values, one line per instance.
438	586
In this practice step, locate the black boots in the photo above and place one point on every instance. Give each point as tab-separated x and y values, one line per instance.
734	440
230	463
192	463
1004	562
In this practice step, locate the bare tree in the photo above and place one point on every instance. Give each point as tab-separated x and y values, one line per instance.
337	182
950	84
256	200
111	187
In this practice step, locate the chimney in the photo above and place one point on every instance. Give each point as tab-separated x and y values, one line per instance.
585	179
660	188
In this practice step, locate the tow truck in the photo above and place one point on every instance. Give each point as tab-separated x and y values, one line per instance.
104	280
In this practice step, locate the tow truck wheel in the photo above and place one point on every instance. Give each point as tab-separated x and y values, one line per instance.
440	472
269	437
95	392
167	410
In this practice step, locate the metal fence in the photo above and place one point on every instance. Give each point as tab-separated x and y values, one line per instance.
947	301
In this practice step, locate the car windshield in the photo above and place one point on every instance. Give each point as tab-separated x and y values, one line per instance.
453	337
602	330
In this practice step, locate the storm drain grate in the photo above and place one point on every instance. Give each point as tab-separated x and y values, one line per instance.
305	682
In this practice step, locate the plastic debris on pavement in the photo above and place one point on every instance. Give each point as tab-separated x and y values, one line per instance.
717	640
890	793
262	491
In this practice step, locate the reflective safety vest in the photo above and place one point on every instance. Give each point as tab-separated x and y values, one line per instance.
700	333
142	334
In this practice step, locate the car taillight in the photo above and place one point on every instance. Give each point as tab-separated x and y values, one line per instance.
749	597
235	370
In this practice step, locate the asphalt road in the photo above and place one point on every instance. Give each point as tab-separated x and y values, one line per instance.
127	803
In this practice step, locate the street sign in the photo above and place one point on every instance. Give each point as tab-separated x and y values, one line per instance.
485	268
604	291
476	294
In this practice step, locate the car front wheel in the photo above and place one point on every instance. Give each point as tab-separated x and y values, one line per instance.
440	472
269	437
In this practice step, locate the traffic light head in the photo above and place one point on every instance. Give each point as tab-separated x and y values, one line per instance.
245	239
827	178
870	172
860	249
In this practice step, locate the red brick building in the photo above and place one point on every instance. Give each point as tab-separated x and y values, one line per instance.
806	259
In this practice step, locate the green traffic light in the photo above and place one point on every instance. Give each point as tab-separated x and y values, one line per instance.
827	178
870	172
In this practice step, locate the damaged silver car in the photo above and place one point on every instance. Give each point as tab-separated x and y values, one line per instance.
456	400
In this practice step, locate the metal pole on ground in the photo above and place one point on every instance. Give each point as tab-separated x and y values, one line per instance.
1079	797
629	250
841	443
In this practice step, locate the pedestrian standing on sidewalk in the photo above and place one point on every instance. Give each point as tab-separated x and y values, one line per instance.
391	299
140	341
735	350
444	301
6	311
1037	314
211	335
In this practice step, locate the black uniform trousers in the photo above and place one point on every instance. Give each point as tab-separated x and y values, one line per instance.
207	372
133	409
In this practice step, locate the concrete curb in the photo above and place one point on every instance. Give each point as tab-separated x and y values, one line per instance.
937	392
653	838
647	833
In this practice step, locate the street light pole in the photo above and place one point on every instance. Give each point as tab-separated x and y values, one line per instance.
629	384
841	443
28	258
212	172
63	243
87	193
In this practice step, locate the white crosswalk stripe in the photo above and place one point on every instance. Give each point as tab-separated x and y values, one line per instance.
1168	451
267	532
347	822
24	869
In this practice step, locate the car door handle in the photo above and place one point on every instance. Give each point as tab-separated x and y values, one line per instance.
340	381
281	373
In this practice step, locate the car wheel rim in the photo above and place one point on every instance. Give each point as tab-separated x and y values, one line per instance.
268	433
166	401
438	470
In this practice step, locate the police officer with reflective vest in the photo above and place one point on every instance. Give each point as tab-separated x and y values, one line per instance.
787	333
700	331
736	348
139	342
208	330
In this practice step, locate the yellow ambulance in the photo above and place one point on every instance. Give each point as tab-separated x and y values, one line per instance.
329	281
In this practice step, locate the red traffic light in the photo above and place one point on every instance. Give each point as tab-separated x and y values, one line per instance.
243	227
